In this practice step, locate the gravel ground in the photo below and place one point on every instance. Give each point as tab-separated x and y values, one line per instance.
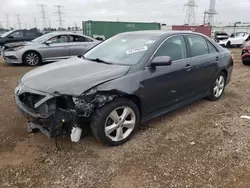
204	145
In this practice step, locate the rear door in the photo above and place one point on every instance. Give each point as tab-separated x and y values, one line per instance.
29	35
238	39
58	49
204	59
78	45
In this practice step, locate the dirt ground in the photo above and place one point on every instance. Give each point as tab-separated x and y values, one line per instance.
203	145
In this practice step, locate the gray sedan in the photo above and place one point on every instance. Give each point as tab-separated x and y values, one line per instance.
48	48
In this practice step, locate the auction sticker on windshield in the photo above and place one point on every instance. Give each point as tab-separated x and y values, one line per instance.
135	50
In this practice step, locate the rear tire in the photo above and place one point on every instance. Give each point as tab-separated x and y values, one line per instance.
115	123
246	62
228	45
32	58
218	87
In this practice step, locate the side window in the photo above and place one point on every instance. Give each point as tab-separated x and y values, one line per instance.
211	48
29	34
198	45
75	38
17	34
59	39
174	47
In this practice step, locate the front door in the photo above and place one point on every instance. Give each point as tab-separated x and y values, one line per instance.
16	36
166	86
58	49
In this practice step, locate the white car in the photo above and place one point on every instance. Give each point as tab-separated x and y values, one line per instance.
236	39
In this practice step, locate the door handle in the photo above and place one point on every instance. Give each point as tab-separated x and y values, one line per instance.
217	58
188	67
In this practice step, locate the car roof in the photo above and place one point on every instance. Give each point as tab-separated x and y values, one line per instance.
157	32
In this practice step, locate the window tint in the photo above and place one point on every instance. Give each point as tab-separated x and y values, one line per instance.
75	38
59	39
17	34
30	34
211	48
173	47
240	34
198	45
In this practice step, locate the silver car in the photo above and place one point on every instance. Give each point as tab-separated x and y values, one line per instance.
48	48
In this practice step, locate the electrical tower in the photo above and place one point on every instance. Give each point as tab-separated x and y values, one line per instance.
190	14
59	12
211	12
7	21
43	15
19	21
35	23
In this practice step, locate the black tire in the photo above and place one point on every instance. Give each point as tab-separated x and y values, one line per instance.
228	45
246	62
101	115
37	58
212	96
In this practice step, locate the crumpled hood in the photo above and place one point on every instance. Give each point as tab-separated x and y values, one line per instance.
16	44
72	76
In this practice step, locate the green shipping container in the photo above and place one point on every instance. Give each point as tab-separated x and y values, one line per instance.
106	29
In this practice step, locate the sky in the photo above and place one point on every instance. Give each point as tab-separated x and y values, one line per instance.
75	11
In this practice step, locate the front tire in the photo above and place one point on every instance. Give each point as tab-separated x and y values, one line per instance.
115	123
32	58
218	87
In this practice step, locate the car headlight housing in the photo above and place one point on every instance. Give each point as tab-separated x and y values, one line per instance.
18	48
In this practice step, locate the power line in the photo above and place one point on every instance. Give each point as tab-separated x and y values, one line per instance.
7	20
59	12
190	14
211	12
43	14
19	21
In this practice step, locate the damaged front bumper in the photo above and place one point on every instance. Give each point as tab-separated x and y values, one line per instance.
56	115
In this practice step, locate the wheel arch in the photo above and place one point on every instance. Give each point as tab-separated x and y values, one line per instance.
28	51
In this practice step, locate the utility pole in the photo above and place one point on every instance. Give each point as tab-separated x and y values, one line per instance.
59	12
35	23
49	24
190	13
211	12
18	21
43	15
7	20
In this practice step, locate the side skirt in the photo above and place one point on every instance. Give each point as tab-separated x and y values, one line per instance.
172	108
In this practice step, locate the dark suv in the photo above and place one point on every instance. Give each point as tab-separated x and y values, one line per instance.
18	36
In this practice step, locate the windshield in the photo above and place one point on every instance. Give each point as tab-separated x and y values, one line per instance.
43	38
123	49
6	34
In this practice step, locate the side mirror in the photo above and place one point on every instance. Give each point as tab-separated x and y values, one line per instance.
161	61
10	37
48	42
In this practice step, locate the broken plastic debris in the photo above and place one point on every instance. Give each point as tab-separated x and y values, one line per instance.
245	117
192	143
76	134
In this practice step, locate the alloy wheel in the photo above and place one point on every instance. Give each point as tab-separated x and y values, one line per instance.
32	59
120	123
219	86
